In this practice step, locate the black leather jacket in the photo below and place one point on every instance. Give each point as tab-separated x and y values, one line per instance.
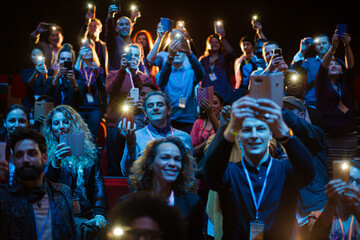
95	204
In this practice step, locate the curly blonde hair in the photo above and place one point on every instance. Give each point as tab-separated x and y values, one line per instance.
77	124
141	175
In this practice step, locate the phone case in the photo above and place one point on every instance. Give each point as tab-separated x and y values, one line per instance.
339	172
341	29
167	24
205	93
134	93
43	108
270	86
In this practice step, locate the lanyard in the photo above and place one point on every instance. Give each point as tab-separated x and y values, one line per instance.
343	234
88	80
202	131
131	79
257	204
182	84
171	200
39	234
62	92
147	129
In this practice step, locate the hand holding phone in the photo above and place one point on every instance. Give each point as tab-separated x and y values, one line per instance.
167	24
341	170
341	29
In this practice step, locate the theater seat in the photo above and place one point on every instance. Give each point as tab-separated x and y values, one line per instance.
115	187
103	162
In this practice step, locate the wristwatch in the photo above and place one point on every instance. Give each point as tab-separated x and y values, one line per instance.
289	135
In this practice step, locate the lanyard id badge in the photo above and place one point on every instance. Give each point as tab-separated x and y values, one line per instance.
257	227
212	77
76	204
257	230
342	107
89	98
182	102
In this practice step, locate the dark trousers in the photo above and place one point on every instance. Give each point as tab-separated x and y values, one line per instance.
115	145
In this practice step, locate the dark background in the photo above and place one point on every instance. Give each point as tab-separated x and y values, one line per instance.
283	21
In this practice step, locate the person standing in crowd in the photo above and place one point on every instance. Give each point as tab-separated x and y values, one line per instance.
64	87
340	218
35	77
167	168
159	53
258	194
157	109
53	44
334	88
144	38
94	92
312	197
90	31
81	173
179	82
309	66
16	116
245	64
34	207
118	36
217	62
207	124
145	215
118	85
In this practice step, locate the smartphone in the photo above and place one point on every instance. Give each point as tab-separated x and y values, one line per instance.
270	86
180	25
341	29
42	108
341	170
167	24
205	93
75	141
218	25
277	51
68	65
128	113
92	8
309	41
128	54
134	94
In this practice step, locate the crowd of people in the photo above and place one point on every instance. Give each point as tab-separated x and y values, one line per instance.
203	157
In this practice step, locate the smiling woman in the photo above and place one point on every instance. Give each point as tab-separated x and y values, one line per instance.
166	168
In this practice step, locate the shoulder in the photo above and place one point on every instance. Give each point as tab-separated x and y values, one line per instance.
59	187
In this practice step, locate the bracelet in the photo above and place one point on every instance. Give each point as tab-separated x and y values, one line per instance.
289	135
233	132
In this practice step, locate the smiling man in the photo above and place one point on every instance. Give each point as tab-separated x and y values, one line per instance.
257	194
34	207
157	108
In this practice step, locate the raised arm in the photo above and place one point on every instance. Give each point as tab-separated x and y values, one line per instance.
153	52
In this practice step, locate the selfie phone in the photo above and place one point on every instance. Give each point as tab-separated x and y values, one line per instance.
93	8
128	54
205	93
341	29
128	113
180	25
309	41
218	25
68	65
341	170
134	94
270	87
43	108
277	52
75	141
167	24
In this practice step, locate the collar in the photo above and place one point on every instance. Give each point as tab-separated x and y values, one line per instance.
263	163
318	58
181	69
32	195
158	131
